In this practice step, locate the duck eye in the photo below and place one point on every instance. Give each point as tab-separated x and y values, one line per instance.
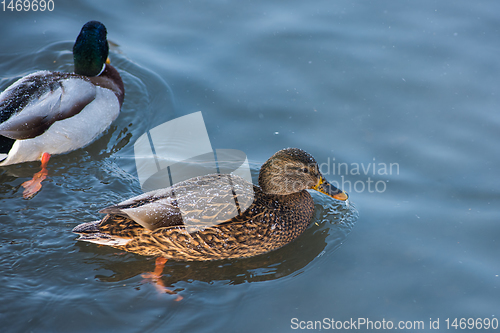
305	170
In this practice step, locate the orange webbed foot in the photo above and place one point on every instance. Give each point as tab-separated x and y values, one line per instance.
155	278
31	187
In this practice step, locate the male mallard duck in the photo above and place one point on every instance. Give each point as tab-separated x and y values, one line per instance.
47	113
152	223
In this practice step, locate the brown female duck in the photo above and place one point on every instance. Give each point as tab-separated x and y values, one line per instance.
278	212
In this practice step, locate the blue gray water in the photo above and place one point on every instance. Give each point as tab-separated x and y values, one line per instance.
398	101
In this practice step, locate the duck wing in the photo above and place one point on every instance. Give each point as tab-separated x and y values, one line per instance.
33	103
151	210
196	203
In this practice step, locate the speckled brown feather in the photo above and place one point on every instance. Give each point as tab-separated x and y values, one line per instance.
271	221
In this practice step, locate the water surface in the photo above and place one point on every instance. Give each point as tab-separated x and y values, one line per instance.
406	83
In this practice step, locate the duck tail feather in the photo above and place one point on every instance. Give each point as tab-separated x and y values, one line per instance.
87	228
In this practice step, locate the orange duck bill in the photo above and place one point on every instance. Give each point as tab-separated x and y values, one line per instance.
325	187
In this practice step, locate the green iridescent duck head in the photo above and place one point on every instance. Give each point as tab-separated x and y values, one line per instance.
90	51
292	170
